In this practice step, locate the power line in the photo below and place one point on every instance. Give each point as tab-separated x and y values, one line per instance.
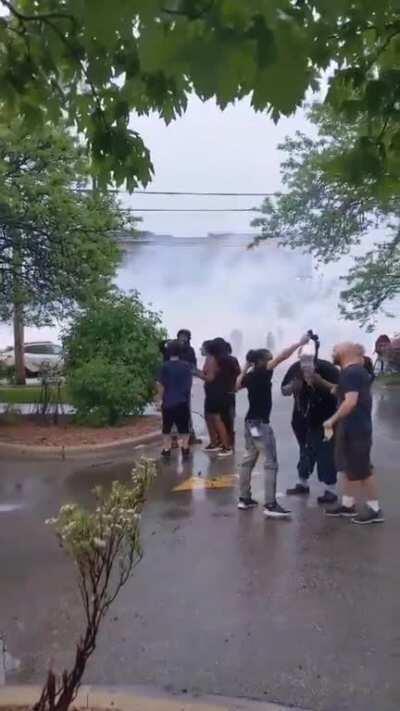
193	193
189	209
171	193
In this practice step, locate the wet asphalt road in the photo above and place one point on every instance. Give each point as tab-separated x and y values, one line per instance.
303	612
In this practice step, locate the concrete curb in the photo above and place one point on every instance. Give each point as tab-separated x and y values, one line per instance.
78	451
137	699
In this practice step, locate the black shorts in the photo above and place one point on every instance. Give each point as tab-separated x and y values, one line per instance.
179	415
218	405
353	455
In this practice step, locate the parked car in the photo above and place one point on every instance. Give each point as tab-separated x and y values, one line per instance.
38	356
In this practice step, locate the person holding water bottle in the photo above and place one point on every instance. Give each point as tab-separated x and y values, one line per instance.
256	377
312	382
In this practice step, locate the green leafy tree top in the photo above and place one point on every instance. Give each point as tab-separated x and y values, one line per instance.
327	216
57	243
94	61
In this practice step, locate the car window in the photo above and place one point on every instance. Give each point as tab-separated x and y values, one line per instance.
34	349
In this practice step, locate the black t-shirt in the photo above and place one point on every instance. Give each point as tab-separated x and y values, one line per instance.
259	387
188	355
313	405
228	372
355	378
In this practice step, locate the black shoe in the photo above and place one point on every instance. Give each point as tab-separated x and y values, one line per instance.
166	454
276	511
223	452
341	511
245	504
212	448
185	454
299	490
327	498
368	515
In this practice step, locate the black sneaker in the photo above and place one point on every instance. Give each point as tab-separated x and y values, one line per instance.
368	515
185	454
328	498
212	448
223	452
245	504
299	490
341	511
166	454
276	511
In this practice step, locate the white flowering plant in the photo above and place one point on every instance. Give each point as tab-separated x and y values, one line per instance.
105	546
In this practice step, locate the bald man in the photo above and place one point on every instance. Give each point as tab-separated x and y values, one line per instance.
352	423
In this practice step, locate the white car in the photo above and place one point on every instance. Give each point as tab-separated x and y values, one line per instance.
39	355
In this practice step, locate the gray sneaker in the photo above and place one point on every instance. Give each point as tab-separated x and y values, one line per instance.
368	515
341	511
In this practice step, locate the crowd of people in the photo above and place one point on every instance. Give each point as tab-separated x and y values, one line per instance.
331	418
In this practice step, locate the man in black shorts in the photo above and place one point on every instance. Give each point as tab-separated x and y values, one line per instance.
353	434
174	387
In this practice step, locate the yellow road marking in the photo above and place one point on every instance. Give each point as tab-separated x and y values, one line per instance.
225	481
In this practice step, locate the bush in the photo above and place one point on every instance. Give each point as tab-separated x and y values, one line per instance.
112	358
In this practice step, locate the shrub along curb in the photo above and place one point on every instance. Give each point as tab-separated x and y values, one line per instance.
77	451
136	699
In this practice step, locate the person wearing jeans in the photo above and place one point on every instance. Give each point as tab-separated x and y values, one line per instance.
260	439
314	402
256	377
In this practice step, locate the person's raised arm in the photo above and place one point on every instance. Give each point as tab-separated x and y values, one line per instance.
287	352
242	375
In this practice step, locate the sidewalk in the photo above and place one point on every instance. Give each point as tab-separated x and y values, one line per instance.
137	699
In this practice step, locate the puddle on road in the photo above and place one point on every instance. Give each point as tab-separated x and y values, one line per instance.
7	662
8	508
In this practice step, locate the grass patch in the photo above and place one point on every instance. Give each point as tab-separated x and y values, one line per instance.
24	394
389	379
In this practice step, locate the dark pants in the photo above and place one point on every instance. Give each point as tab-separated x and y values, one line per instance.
228	416
315	451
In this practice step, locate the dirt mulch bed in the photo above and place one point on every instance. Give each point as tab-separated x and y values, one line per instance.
32	431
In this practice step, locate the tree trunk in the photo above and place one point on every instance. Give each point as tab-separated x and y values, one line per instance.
19	344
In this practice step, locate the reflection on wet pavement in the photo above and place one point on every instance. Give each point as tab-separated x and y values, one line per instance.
303	612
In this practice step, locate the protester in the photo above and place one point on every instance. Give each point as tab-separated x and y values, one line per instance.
352	423
217	403
311	383
229	371
256	377
174	388
186	351
188	354
214	444
382	346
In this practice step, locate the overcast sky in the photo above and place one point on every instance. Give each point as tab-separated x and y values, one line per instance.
211	150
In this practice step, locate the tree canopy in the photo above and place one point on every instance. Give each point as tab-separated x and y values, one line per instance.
57	245
57	241
327	216
95	61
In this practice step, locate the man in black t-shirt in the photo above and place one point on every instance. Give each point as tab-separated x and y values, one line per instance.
353	429
256	377
314	403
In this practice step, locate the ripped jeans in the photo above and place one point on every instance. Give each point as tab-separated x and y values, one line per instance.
263	444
